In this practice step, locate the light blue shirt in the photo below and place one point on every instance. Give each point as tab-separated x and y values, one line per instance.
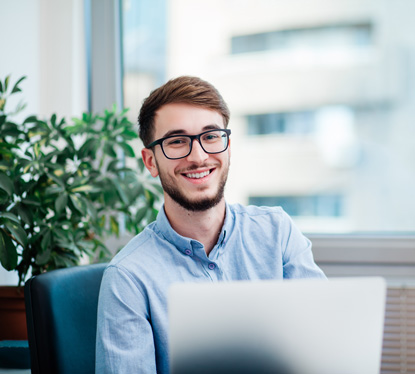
254	243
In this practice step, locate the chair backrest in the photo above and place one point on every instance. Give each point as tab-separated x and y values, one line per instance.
61	312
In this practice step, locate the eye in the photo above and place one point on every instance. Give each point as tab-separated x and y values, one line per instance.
176	142
211	136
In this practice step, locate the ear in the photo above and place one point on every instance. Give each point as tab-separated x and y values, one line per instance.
150	161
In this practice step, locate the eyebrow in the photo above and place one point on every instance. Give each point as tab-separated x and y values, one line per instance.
183	132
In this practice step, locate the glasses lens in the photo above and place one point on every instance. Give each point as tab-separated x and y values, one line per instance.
176	146
214	141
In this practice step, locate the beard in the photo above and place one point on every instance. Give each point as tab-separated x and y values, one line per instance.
199	205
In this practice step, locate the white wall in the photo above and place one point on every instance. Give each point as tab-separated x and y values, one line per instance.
44	40
20	46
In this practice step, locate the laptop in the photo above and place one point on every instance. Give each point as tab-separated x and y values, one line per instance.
303	326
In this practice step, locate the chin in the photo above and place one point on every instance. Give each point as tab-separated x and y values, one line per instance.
196	200
199	204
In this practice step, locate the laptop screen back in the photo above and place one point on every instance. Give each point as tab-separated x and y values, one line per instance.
280	327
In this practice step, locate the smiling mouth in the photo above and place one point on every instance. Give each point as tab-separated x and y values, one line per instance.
198	175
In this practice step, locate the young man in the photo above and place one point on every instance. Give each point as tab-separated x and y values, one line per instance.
197	236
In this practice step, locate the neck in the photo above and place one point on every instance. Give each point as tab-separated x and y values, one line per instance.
202	226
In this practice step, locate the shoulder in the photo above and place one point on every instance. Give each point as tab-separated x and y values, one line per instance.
133	265
139	250
136	244
262	221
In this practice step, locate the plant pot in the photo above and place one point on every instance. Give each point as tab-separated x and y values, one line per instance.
12	313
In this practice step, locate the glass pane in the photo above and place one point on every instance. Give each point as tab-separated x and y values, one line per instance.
321	94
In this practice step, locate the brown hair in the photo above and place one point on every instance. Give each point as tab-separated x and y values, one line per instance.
185	89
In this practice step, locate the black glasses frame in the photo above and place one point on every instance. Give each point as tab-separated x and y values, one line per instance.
192	138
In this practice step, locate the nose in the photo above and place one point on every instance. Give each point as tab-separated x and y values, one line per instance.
197	154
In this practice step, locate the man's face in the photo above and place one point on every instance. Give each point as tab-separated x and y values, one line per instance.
197	181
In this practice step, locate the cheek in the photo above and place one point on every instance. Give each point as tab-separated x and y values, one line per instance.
167	168
226	158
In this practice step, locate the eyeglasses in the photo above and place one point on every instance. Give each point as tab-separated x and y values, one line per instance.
180	146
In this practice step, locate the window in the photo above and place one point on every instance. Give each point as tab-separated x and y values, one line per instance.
319	37
328	107
145	50
295	206
281	123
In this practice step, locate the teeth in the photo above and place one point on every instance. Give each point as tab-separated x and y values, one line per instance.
198	175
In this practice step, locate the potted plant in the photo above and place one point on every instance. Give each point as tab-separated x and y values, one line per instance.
65	187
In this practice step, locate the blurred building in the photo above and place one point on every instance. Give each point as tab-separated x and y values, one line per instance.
321	98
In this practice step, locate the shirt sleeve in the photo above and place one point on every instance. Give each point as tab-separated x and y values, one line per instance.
125	342
298	261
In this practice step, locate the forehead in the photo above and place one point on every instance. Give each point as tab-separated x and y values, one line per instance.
186	119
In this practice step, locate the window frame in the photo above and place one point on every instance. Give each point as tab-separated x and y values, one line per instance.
390	255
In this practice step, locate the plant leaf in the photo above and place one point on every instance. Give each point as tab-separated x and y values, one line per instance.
43	257
90	146
112	166
10	216
31	201
109	149
53	120
128	150
78	204
141	213
86	188
16	88
140	163
51	190
114	225
56	179
25	213
129	134
61	202
60	234
8	252
31	119
6	184
20	107
6	82
120	191
91	209
102	221
17	232
46	240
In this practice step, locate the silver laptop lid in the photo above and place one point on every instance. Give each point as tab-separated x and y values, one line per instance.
281	327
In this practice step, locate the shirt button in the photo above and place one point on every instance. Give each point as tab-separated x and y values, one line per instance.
188	252
211	266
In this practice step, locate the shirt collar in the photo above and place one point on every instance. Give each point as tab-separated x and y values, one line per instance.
181	242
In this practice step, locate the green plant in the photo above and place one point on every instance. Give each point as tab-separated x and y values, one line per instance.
64	187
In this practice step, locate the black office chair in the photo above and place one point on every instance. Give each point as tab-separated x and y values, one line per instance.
61	312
